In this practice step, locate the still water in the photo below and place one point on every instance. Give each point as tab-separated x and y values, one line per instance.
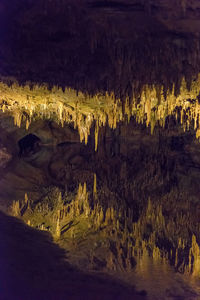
129	209
161	282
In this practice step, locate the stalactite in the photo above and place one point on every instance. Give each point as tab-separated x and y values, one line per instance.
40	102
95	185
96	135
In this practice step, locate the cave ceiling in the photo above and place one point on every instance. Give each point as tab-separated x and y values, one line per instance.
101	62
91	66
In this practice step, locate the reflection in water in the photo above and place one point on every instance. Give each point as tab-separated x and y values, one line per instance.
116	77
159	280
127	208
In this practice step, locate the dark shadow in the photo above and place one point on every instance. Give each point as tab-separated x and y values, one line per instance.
29	144
33	267
68	226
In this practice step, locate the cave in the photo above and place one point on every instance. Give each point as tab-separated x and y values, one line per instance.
99	149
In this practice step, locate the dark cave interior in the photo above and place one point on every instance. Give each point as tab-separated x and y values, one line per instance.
99	149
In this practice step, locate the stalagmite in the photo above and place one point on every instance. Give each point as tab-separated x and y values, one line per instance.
15	208
195	254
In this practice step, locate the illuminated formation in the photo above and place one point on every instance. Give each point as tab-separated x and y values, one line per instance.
125	241
27	105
